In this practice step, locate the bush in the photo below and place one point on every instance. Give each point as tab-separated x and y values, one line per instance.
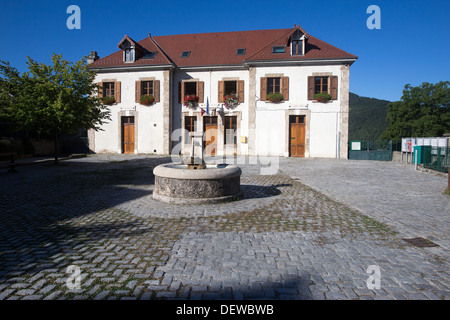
322	97
147	100
275	97
108	100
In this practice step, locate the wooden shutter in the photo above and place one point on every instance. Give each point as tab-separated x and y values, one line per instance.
285	88
180	92
310	88
156	90
263	84
200	91
221	91
334	87
100	89
117	91
138	91
240	90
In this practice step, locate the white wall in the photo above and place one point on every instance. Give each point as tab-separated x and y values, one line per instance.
324	120
148	136
271	131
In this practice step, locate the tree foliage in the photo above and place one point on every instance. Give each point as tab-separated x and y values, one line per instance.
53	99
423	111
367	117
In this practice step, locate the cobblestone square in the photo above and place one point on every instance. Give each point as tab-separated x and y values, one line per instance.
310	231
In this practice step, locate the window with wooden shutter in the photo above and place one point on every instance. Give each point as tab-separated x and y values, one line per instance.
319	84
180	92
156	90
334	87
108	89
273	85
138	91
200	91
221	91
310	88
117	93
240	90
263	89
100	89
285	88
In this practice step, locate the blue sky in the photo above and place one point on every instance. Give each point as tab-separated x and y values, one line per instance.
412	45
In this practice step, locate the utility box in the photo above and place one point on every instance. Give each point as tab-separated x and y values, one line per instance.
423	154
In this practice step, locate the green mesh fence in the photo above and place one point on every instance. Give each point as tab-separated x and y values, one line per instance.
437	158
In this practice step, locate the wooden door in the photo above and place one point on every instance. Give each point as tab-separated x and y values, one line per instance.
297	136
210	131
128	134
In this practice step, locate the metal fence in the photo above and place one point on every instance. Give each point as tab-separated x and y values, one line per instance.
436	158
380	150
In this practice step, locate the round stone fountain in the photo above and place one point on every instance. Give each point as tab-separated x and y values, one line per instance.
195	182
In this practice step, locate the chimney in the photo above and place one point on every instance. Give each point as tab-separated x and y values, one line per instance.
92	57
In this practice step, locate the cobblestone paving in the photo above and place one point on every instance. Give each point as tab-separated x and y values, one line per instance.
283	240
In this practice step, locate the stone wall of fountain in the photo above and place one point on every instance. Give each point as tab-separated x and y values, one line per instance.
196	182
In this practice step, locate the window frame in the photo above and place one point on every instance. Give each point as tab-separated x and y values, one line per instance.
107	91
128	55
322	84
148	87
191	127
185	54
277	49
240	52
274	85
230	130
298	45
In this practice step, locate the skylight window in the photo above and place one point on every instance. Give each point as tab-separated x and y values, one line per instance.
278	49
185	54
150	55
240	52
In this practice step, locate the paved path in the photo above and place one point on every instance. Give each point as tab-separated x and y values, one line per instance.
308	232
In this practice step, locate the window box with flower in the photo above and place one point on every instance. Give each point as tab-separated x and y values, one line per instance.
191	101
147	100
231	101
275	97
108	100
322	97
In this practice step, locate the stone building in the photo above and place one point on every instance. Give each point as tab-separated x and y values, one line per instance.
250	92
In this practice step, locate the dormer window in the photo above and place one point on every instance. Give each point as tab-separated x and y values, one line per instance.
298	40
129	55
297	47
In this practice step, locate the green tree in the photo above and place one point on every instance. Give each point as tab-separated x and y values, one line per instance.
423	111
52	99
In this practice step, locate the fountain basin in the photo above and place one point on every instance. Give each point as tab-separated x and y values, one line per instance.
175	183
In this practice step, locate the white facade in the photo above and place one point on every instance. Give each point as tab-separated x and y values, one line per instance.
261	127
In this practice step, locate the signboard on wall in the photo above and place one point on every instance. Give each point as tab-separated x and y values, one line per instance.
355	145
408	144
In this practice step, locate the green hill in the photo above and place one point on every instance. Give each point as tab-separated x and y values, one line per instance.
367	117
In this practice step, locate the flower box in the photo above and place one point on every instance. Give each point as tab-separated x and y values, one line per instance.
275	97
230	101
322	97
108	100
147	100
190	101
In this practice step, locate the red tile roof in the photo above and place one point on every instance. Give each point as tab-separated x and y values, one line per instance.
219	48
